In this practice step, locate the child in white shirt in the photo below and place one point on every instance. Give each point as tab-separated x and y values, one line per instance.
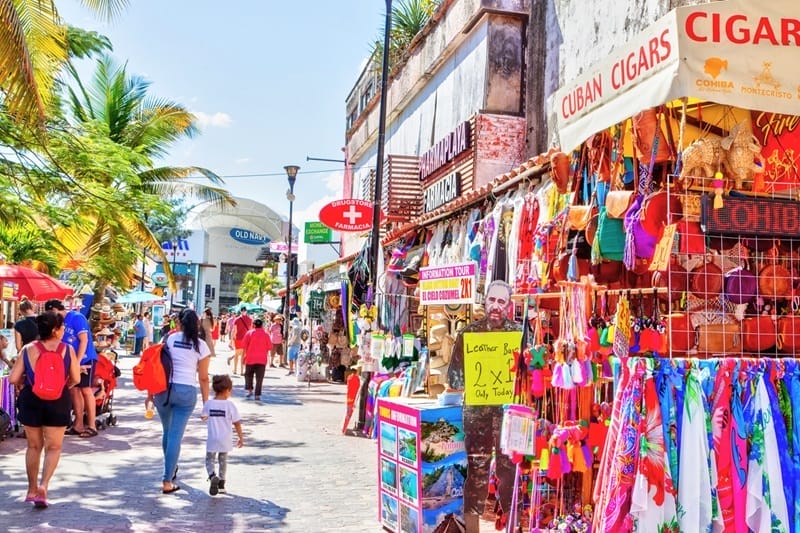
221	415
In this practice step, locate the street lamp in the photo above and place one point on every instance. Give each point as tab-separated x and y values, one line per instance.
189	284
291	174
172	292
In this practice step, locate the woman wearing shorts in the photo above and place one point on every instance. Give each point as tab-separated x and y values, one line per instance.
45	420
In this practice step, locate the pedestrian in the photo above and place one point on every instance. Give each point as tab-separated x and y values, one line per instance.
5	362
139	334
241	325
293	343
44	420
220	414
190	362
207	324
257	347
78	335
25	329
276	336
229	329
149	330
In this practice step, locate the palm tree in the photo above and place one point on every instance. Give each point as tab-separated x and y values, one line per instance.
409	17
29	246
33	48
255	286
128	130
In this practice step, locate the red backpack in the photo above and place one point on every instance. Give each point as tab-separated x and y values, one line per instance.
154	369
50	374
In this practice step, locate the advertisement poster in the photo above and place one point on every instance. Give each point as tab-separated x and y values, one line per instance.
779	137
389	511
451	284
408	447
409	485
388	475
409	519
158	315
388	439
488	358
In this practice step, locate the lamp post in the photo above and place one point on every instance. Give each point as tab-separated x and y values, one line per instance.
189	284
174	254
291	174
377	201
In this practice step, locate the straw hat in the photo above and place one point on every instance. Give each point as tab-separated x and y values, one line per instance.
105	331
278	317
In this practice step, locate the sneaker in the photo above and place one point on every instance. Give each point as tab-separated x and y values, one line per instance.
290	373
222	486
213	489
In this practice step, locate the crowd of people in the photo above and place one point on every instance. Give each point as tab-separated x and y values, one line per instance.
257	344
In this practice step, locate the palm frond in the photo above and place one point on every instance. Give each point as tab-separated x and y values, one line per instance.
109	9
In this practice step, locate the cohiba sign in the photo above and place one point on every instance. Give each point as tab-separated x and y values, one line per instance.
752	216
445	150
441	192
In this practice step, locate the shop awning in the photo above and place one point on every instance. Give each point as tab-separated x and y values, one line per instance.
742	53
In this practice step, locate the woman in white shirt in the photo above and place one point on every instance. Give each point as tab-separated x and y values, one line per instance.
190	363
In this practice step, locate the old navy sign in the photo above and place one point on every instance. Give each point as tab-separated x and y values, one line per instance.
441	192
444	151
246	236
760	217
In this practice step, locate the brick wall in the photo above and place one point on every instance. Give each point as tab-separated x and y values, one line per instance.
500	146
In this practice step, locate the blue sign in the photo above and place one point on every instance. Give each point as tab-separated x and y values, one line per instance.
248	237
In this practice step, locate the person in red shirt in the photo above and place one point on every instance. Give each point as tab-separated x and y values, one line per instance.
241	326
256	346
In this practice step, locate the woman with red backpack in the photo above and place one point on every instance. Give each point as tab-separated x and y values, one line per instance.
45	405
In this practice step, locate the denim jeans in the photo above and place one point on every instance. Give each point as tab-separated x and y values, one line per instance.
174	418
138	343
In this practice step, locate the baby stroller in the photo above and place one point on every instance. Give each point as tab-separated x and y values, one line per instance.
105	381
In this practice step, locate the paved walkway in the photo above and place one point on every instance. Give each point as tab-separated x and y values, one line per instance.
297	472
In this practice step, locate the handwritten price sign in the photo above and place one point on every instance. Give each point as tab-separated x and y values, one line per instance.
488	358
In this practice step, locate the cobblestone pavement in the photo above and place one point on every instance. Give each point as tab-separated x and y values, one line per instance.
296	473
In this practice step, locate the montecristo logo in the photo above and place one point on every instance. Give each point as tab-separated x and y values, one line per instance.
766	84
713	68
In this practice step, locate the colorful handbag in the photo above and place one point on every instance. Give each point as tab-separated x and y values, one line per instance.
741	286
719	338
705	281
682	336
618	202
774	282
691	238
788	334
758	333
610	236
578	216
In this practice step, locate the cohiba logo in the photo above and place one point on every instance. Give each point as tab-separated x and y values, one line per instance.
714	66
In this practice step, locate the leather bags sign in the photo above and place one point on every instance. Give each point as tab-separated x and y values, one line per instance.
761	217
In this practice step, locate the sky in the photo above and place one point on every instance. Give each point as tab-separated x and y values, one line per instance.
267	80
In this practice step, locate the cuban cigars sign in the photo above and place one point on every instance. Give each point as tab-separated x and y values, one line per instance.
761	217
488	359
736	52
450	284
445	150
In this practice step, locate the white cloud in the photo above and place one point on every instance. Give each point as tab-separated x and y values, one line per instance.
333	191
218	119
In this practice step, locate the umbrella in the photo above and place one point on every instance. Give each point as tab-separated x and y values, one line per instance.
37	286
139	297
251	308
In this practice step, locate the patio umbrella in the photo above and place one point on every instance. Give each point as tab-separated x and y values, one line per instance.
139	297
36	286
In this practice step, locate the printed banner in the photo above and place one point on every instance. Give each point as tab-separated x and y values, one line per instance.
451	284
779	137
488	358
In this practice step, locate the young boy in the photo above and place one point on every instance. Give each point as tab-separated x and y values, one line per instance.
220	414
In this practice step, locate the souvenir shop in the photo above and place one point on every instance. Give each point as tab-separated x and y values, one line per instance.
656	271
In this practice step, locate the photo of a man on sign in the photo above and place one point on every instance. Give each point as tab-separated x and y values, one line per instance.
480	367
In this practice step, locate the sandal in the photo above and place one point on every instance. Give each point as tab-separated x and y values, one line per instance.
72	431
88	433
170	490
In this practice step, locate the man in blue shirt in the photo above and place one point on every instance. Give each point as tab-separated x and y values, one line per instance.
78	335
139	334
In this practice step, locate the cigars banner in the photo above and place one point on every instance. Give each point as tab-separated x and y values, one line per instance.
779	136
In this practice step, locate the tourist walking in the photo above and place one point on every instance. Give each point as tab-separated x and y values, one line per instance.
257	347
294	342
277	357
190	363
139	334
44	420
241	325
207	324
149	330
221	415
78	335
